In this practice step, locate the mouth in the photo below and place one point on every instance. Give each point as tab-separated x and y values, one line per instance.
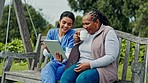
87	30
65	29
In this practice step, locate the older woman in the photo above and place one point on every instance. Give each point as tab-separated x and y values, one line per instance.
97	53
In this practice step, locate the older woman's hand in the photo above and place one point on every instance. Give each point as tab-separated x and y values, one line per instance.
82	67
77	36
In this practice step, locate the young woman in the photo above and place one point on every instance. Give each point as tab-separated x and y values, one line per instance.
64	34
97	61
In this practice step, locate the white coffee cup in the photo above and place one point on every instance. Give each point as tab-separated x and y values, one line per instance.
83	34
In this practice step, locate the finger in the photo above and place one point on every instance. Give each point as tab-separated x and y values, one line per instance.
60	56
79	64
77	70
42	43
78	67
57	55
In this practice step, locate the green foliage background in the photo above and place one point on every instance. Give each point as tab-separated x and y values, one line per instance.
39	22
126	15
15	46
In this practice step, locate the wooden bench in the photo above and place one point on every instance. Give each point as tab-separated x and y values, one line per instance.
31	75
138	69
133	49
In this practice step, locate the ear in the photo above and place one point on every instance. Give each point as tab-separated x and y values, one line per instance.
97	21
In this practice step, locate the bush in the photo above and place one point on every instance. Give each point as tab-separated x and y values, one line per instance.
15	46
1	47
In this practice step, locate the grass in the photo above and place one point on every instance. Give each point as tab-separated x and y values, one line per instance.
24	66
16	66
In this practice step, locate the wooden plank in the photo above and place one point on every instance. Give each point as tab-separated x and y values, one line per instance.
37	51
2	2
120	45
2	55
27	76
18	55
132	38
22	25
137	47
6	67
146	64
25	35
137	69
40	58
125	64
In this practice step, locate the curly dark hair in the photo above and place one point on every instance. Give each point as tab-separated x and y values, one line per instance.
96	14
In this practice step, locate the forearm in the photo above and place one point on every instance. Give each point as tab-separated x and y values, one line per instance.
111	51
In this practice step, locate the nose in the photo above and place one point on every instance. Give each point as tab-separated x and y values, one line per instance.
84	26
66	25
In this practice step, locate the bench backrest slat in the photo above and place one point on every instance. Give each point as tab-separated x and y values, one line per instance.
146	64
125	65
40	58
37	50
120	45
137	47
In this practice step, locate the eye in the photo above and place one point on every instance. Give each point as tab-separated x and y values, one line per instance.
69	24
64	22
85	23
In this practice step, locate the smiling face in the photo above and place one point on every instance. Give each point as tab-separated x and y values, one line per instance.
66	23
90	25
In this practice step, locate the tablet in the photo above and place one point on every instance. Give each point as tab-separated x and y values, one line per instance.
54	47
